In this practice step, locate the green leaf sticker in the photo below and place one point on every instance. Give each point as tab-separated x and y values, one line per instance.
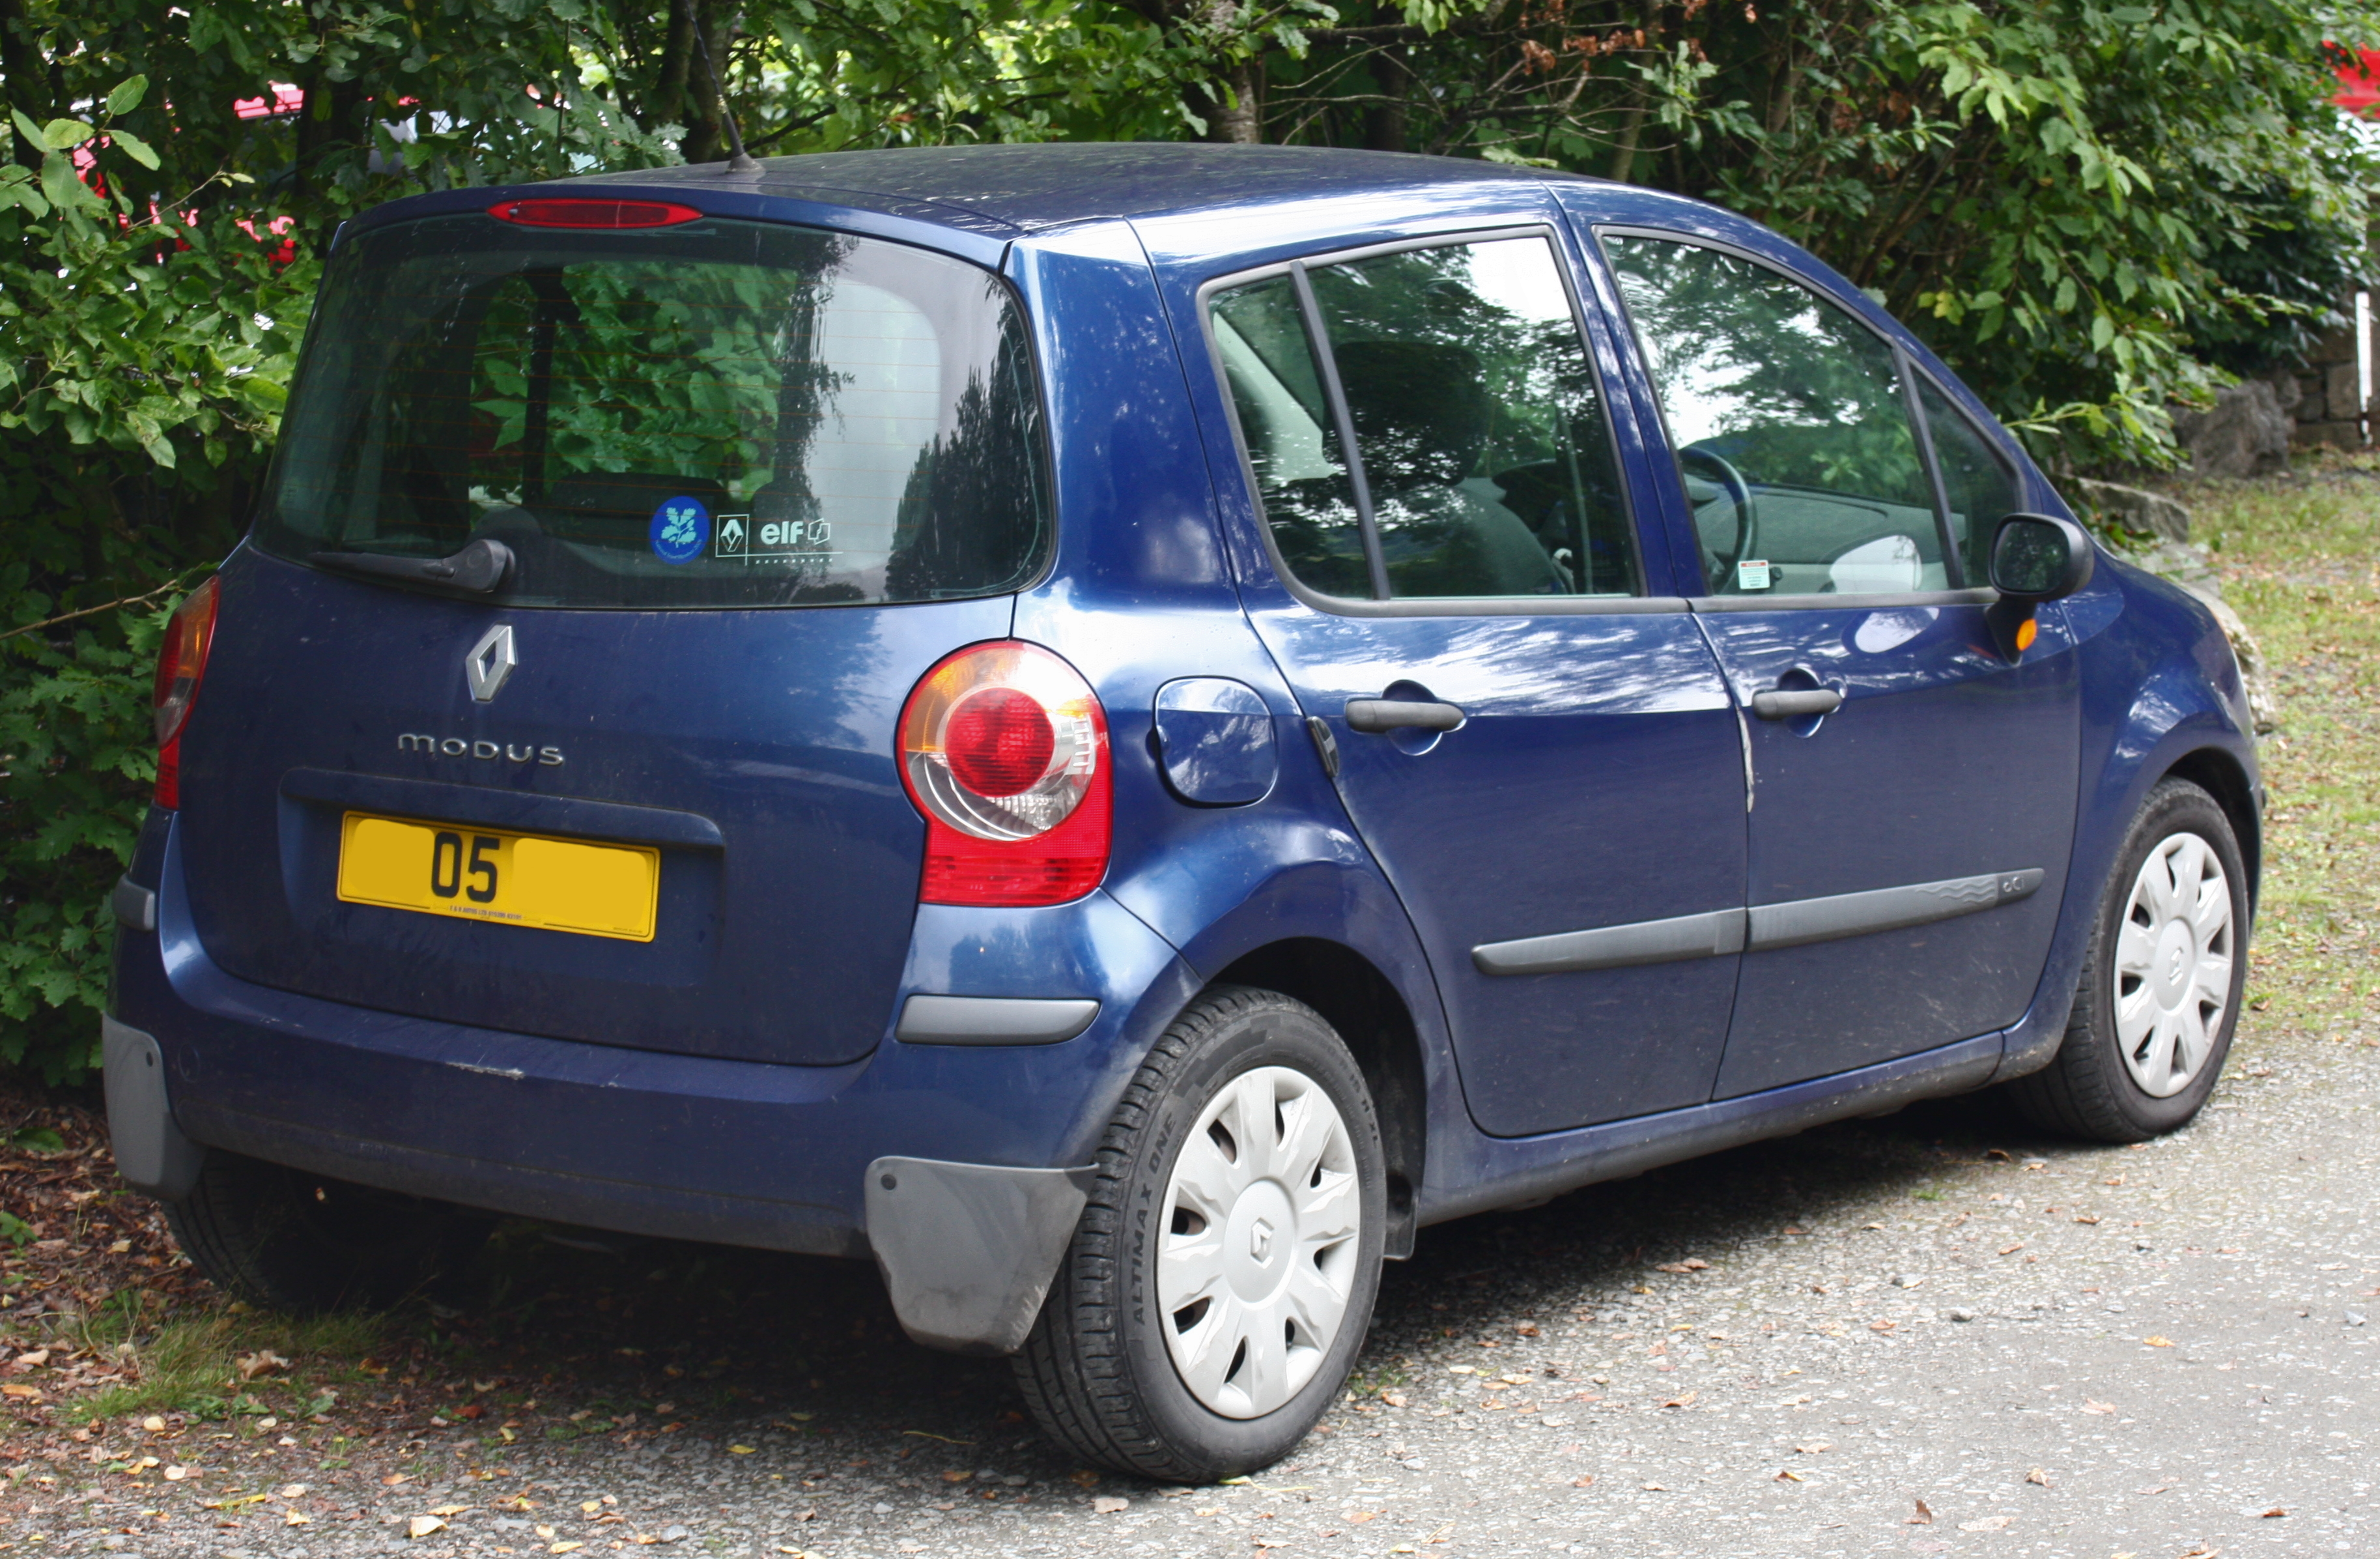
127	96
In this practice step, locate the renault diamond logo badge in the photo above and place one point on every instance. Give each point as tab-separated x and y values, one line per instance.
490	661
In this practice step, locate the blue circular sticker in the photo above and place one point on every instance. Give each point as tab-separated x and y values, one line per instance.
681	529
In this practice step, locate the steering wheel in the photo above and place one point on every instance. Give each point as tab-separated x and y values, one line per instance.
1747	519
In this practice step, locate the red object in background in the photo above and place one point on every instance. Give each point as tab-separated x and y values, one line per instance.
2358	80
286	98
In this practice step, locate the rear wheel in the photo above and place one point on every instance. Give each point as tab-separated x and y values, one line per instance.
2159	994
1221	1279
288	1240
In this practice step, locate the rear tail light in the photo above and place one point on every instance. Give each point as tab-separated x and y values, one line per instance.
594	214
181	665
1004	749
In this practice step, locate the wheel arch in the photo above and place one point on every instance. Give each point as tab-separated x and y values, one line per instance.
2221	775
1359	1001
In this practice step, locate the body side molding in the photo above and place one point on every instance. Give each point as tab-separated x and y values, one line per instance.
1790	924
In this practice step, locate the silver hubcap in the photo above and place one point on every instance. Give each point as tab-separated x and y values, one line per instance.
2173	965
1259	1252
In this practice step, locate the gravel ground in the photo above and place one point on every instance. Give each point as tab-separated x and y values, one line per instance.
1930	1334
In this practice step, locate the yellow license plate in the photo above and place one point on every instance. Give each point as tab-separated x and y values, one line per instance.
486	874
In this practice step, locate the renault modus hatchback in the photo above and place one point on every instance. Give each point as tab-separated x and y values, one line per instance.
1119	728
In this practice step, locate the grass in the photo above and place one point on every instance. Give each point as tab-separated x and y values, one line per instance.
191	1364
2300	560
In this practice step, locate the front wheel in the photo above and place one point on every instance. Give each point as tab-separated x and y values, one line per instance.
1221	1279
2160	989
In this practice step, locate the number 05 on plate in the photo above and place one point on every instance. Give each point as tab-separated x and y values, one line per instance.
487	874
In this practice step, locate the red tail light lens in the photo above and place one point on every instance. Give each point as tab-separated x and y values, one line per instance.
181	665
594	213
1004	749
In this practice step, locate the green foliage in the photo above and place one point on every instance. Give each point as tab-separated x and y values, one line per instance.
2092	211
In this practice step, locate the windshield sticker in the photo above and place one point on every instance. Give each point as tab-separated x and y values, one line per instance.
681	529
772	541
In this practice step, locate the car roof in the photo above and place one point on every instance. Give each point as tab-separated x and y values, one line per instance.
1020	188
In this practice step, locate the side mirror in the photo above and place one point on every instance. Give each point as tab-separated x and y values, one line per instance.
2036	558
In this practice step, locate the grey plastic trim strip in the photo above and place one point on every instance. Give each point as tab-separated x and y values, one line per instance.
1983	597
993	1020
1710	936
1884	910
134	906
1764	926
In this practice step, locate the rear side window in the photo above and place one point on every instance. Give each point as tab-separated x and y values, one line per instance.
1483	464
717	414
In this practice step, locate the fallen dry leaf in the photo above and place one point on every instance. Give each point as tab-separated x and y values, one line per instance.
742	1450
1925	1516
1108	1505
2090	1406
394	1479
1584	1480
2277	1510
448	1509
2012	1249
1357	1517
957	1475
1685	1401
2038	1475
32	1360
1394	1398
1812	1449
264	1361
2157	1341
176	1474
1986	1524
1784	1476
293	1492
422	1526
1084	1479
2087	1218
292	1518
22	1393
154	1424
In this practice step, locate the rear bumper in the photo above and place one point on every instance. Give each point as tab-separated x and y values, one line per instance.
643	1141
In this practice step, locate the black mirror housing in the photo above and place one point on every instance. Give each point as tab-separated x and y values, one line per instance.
2036	557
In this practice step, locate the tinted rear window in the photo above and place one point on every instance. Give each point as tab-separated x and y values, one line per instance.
717	414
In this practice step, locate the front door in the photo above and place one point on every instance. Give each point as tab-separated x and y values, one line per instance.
1542	755
1913	791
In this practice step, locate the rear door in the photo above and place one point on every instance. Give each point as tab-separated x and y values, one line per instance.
1906	848
752	481
1539	750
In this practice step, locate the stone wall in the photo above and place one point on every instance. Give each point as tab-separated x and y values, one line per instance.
2322	393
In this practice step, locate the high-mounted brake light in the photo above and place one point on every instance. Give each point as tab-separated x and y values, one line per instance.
181	665
594	213
1004	749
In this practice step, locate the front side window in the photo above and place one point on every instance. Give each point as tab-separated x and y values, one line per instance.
1482	466
1976	479
1789	425
715	414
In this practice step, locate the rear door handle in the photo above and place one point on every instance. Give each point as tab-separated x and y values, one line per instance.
1792	704
1391	714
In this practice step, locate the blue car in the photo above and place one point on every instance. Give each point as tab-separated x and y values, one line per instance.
1119	728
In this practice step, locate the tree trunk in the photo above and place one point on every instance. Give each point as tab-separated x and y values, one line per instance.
1239	116
1384	123
20	62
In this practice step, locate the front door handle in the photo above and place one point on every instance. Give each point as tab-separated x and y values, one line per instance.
1391	714
1796	704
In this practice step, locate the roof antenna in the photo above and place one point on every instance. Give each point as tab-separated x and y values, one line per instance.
739	160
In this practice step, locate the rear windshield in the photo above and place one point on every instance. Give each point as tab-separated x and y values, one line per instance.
715	414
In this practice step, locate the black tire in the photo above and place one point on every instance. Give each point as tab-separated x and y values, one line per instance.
2087	1091
306	1244
1096	1371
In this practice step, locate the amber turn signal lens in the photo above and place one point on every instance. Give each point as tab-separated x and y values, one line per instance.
2025	633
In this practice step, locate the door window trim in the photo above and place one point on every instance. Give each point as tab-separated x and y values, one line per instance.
1906	371
1382	605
